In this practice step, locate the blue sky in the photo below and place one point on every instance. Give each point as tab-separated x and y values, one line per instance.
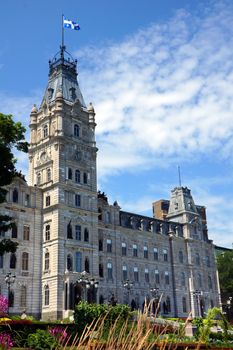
160	76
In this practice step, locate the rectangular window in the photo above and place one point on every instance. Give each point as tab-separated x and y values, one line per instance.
135	250
124	273
145	252
78	262
165	256
123	249
1	261
47	201
109	245
147	277
26	233
157	279
47	232
14	231
156	254
166	277
77	200
135	273
109	269
78	232
27	200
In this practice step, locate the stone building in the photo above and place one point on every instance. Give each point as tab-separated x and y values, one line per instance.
65	227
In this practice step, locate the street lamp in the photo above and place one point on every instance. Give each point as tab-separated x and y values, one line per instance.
229	301
89	282
9	279
128	285
154	292
197	294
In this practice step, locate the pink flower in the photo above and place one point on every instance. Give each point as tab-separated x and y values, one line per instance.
3	304
59	334
6	342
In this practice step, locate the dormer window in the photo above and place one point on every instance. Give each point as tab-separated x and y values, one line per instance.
50	93
45	130
73	93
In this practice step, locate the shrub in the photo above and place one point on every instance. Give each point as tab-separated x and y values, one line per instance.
41	340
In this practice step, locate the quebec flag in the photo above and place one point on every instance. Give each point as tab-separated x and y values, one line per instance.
70	24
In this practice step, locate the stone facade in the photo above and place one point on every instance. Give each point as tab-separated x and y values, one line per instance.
73	227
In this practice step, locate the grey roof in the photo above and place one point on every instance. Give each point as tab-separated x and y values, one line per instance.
63	77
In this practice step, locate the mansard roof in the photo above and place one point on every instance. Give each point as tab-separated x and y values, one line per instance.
63	78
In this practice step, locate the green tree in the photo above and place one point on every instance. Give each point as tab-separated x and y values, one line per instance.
225	270
11	136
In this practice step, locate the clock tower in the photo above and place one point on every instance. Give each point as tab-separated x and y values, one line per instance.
62	163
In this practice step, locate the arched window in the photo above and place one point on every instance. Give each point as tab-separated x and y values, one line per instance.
69	263
85	178
77	176
181	257
70	174
14	231
48	174
46	261
25	261
47	232
45	130
87	265
11	298
86	235
23	296
38	178
13	261
15	196
183	279
46	295
100	214
69	231
26	232
184	304
210	284
76	130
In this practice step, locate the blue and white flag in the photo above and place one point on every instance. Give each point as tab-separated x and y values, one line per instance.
70	24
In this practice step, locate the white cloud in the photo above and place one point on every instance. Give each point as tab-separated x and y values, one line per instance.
164	92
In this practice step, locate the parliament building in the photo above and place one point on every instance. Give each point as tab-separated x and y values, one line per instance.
74	245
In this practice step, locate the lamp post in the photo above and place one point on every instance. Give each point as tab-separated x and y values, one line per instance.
229	301
89	282
154	292
128	285
197	294
9	279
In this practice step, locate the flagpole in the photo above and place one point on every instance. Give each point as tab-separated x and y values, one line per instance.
62	38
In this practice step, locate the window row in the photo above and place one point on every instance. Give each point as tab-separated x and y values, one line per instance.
76	129
44	176
15	197
78	176
75	262
26	232
157	275
13	261
198	259
135	250
77	232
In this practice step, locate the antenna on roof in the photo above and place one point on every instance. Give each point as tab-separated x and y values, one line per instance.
178	167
